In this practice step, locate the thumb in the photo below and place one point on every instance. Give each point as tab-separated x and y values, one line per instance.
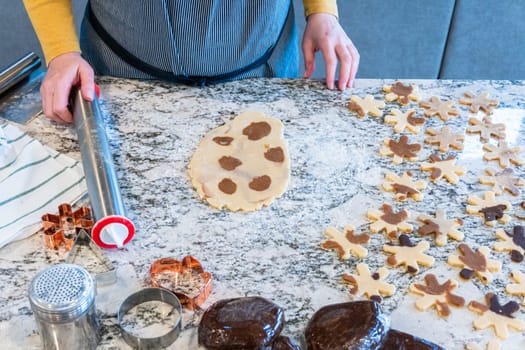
87	82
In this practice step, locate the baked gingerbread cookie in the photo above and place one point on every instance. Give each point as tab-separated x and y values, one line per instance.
488	207
517	288
370	285
481	102
408	254
243	164
497	316
365	106
443	109
403	94
514	243
400	150
444	139
474	263
404	187
389	221
437	294
502	181
443	168
440	227
503	154
486	129
404	121
345	243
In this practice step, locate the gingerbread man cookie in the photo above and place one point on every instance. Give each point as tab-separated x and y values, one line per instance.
474	263
481	102
493	344
365	106
517	288
400	150
243	164
402	121
440	227
511	242
502	181
489	208
444	139
404	187
486	129
497	316
440	168
435	106
345	243
408	254
436	294
370	285
503	154
389	221
400	93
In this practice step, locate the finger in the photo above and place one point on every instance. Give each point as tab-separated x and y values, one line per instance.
355	64
330	60
309	58
345	65
47	100
87	83
60	103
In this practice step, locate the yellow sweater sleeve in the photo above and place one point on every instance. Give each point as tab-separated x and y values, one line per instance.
317	6
54	25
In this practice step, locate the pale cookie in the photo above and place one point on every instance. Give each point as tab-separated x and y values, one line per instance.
408	254
402	121
486	129
365	106
502	181
345	243
440	227
370	285
520	212
474	263
437	294
388	221
444	139
497	316
503	154
400	93
493	344
435	106
514	243
400	150
443	168
481	102
404	187
517	288
243	164
489	208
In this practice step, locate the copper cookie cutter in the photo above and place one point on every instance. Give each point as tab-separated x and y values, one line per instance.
186	278
64	227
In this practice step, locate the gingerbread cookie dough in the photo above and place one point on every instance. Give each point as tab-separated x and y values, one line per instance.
444	139
243	164
514	243
493	344
400	150
404	187
389	221
502	181
408	254
488	207
503	154
486	129
370	285
365	106
440	227
436	294
517	288
345	243
440	168
443	109
474	263
404	121
479	102
400	93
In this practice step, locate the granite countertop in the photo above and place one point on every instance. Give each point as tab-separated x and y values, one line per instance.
336	177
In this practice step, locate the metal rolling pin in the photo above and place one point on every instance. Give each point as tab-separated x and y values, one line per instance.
112	228
18	71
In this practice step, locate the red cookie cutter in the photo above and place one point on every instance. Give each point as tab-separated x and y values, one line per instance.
64	227
186	279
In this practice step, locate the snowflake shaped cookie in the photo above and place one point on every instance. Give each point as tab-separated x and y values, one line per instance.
408	254
486	129
517	288
389	221
440	227
400	150
481	102
345	243
370	285
444	139
503	154
365	106
436	294
440	168
511	242
520	212
502	181
404	187
474	263
497	316
402	121
443	109
493	344
489	208
400	93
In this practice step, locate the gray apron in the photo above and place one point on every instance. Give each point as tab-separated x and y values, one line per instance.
191	41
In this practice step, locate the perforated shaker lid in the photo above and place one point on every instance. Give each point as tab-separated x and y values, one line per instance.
62	292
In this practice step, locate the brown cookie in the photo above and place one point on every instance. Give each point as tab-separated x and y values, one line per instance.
403	186
403	94
408	254
440	227
514	243
502	181
389	221
479	102
444	139
365	106
404	121
400	150
489	208
436	294
486	129
503	154
443	109
345	243
474	263
443	168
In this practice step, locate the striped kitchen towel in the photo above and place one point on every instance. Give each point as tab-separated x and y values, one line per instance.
34	180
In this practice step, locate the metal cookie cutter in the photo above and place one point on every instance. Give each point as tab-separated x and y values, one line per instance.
186	278
64	227
148	317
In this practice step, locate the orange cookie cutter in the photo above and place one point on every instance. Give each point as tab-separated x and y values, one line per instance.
64	227
186	278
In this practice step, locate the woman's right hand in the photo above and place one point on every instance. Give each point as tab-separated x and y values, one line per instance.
64	72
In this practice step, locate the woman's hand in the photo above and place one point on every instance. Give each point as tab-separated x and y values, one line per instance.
64	72
324	33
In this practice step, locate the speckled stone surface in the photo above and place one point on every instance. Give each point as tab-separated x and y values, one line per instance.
336	176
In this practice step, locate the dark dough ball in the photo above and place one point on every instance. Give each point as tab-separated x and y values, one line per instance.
402	341
284	343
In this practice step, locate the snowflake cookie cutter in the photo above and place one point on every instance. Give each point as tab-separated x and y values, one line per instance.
63	228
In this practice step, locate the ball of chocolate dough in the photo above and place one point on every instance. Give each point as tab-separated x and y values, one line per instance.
403	341
284	343
351	326
240	323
